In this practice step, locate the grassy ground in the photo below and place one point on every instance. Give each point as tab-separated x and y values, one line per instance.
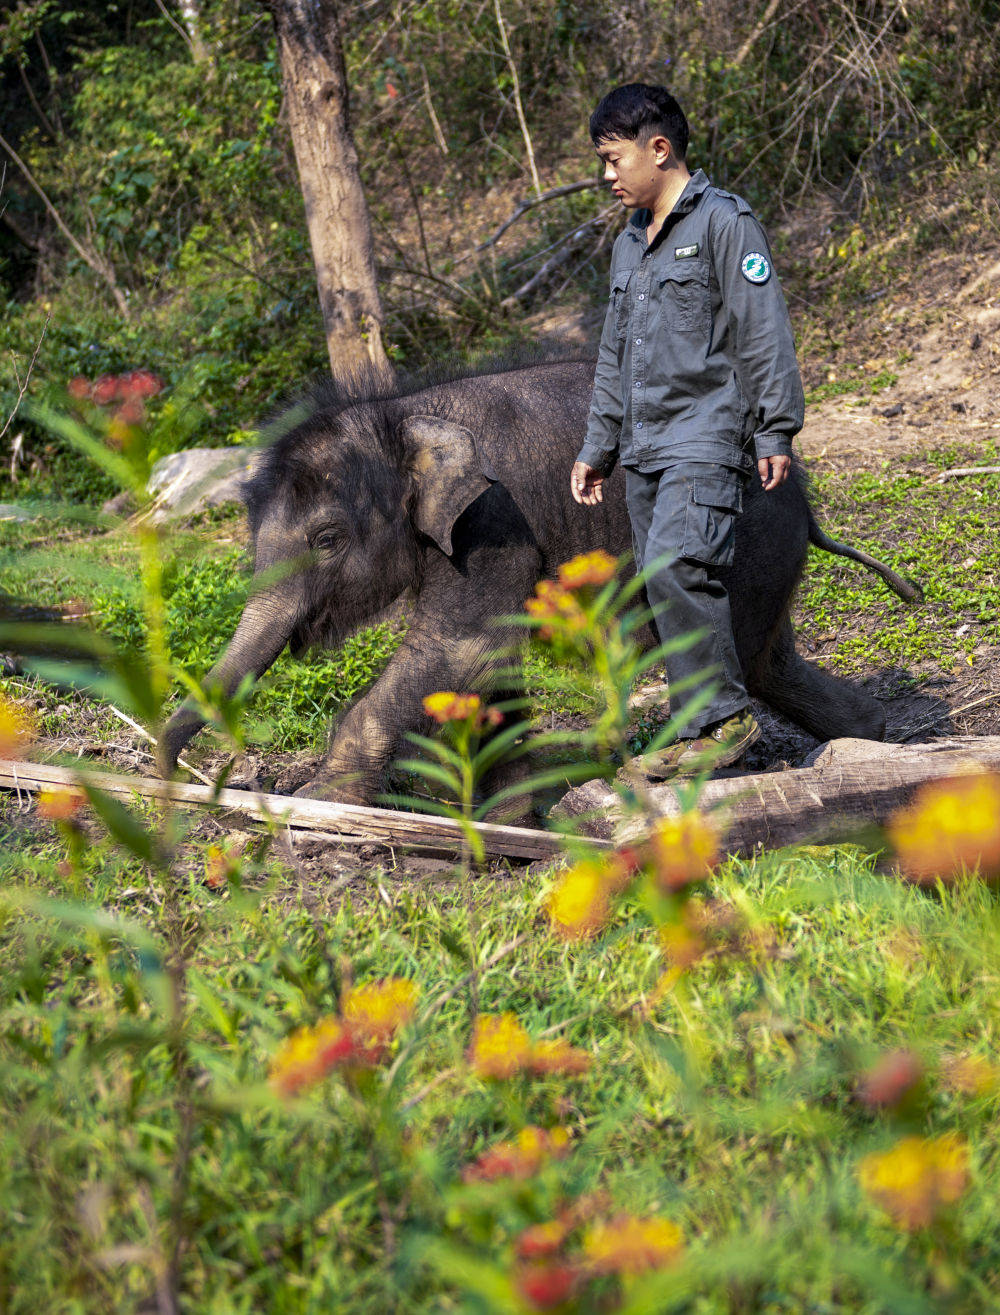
141	1005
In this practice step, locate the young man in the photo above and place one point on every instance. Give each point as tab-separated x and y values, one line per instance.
696	366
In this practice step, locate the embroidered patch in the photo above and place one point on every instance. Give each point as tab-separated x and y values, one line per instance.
683	253
755	268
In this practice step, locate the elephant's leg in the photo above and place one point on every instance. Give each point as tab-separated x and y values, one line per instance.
374	730
815	700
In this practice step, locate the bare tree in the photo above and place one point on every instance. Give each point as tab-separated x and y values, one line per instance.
316	102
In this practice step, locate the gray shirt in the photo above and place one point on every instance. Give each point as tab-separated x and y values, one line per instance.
697	358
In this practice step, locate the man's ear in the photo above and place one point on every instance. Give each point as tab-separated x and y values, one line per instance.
448	471
662	150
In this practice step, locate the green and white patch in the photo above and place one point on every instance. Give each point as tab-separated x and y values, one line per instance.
755	267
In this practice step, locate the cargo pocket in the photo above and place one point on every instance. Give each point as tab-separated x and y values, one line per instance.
619	297
684	297
713	504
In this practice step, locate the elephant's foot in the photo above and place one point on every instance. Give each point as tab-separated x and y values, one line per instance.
341	788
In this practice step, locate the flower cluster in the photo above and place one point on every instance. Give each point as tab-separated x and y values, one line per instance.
580	902
951	826
126	392
371	1015
521	1158
916	1180
445	706
629	1246
680	851
17	730
133	386
626	1246
501	1048
891	1080
558	609
588	569
59	805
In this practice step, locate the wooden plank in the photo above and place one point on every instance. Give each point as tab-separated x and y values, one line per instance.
351	822
849	785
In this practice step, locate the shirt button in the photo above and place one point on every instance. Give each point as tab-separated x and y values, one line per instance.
638	342
638	383
641	296
638	424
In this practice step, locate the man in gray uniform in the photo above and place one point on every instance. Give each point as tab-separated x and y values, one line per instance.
696	367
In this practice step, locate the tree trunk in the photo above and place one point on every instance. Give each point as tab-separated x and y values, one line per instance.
851	785
315	87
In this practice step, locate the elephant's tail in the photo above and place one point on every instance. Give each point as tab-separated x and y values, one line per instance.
906	589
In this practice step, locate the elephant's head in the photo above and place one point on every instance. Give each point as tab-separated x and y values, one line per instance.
342	509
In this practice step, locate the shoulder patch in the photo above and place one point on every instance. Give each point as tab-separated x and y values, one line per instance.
755	267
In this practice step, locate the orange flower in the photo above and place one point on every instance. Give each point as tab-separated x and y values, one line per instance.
500	1046
546	1285
682	850
521	1158
375	1012
951	825
628	1246
59	805
890	1079
916	1179
558	607
541	1240
310	1054
558	1057
446	706
588	568
17	729
580	902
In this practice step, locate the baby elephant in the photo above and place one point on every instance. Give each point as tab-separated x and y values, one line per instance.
458	493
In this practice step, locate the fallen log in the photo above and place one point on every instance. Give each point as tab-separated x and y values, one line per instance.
847	786
346	823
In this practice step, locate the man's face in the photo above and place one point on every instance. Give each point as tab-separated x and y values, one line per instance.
634	169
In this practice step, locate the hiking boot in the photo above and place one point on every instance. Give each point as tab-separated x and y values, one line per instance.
719	746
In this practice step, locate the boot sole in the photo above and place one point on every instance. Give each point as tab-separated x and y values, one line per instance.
723	757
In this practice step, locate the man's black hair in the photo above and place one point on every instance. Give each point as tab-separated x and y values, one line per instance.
639	110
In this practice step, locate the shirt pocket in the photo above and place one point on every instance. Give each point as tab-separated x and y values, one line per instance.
714	502
619	299
684	297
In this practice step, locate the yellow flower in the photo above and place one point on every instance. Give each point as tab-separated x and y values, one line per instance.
950	826
521	1158
309	1054
580	902
376	1011
446	705
682	850
59	805
972	1075
627	1245
918	1177
588	568
17	729
558	607
500	1046
558	1057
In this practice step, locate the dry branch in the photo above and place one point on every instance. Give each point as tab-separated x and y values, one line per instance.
529	202
353	822
852	784
961	471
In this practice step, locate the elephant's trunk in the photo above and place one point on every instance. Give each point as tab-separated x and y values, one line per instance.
264	629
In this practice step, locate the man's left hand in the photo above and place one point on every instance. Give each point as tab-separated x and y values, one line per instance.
773	471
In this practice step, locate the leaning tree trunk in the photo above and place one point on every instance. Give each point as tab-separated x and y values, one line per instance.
315	87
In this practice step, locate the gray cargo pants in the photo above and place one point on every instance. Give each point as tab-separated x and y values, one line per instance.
685	516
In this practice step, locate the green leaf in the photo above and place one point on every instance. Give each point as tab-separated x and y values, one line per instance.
123	824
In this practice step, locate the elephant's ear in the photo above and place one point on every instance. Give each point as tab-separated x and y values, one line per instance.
448	471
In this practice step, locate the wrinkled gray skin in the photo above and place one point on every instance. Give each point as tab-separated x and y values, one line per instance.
460	493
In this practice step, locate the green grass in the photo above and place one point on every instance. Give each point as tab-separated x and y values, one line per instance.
731	1109
942	535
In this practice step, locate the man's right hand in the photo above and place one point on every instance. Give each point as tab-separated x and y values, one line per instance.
586	484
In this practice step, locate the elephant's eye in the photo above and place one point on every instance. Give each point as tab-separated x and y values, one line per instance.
327	540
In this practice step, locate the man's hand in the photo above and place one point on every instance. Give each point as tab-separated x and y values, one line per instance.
586	484
773	471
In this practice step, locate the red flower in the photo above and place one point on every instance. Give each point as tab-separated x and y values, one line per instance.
105	389
548	1285
890	1079
79	387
